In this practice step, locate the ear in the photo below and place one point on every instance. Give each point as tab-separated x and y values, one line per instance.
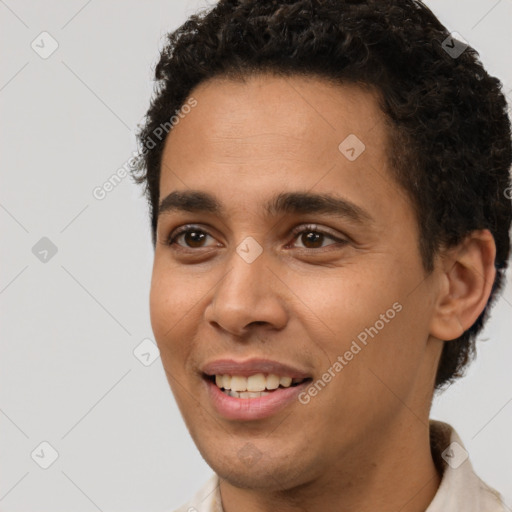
467	275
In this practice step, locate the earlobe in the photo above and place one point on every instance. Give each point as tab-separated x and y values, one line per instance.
467	275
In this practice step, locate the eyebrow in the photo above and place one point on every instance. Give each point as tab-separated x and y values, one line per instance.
197	201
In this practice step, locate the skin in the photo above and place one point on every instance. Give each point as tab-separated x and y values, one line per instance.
362	443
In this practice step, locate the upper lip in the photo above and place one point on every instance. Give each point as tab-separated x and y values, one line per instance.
251	367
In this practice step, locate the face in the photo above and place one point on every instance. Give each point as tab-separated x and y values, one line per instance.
287	252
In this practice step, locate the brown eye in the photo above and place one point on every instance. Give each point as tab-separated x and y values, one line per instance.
194	238
189	238
312	239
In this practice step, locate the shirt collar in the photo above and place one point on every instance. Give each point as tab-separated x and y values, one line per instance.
460	488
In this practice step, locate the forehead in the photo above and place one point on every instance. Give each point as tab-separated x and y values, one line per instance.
272	133
274	112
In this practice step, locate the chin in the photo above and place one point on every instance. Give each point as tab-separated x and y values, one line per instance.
250	467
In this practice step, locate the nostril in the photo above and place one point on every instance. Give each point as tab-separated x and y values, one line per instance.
258	322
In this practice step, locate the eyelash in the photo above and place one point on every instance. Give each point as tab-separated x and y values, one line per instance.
295	232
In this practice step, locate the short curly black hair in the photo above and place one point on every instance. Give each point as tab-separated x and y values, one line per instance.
447	117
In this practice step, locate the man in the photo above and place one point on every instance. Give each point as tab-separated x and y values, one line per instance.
329	194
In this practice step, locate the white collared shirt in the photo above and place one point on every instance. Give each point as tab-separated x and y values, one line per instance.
460	490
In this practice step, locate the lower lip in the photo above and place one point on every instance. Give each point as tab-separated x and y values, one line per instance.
253	408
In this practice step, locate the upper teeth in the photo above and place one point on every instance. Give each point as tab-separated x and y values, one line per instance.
258	382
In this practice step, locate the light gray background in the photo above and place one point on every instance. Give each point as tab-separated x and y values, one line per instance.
69	326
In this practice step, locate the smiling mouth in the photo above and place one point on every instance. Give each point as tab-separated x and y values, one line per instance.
255	386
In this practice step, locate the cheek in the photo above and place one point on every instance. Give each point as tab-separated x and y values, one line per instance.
168	302
168	308
176	301
347	303
370	313
162	312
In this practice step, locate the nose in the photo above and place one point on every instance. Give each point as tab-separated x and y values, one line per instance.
248	295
